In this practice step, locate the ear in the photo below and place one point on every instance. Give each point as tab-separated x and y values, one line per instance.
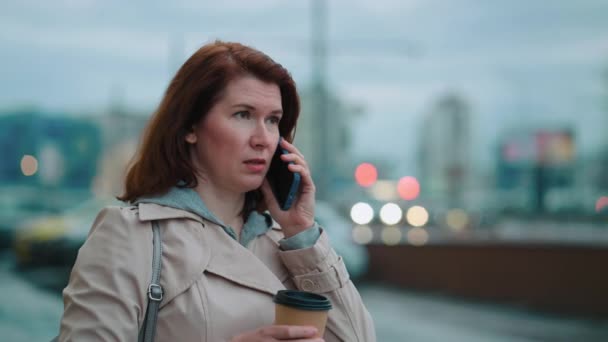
191	138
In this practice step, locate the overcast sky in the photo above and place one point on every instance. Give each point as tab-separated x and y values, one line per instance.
515	62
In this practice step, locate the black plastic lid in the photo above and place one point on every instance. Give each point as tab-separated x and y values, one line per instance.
302	300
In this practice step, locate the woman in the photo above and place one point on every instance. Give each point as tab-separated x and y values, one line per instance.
200	173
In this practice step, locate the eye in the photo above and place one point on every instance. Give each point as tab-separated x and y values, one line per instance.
274	120
243	114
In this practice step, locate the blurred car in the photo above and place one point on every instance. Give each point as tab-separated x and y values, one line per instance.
54	240
10	217
14	210
339	230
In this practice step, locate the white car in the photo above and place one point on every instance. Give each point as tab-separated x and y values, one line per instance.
339	230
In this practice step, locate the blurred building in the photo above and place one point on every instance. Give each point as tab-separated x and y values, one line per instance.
121	131
598	170
340	115
52	156
48	149
444	150
536	171
120	125
592	179
67	157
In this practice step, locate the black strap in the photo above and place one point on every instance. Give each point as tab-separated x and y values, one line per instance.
155	291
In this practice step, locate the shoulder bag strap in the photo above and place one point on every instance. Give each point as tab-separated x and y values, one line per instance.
155	291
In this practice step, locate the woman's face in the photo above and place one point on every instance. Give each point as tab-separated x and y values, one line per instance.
234	143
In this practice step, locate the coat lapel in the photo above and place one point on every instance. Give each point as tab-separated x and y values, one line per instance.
266	248
232	261
223	256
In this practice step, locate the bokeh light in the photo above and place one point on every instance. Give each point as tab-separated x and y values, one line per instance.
391	236
362	235
417	216
384	190
366	174
417	236
408	188
391	214
362	213
457	219
29	165
601	203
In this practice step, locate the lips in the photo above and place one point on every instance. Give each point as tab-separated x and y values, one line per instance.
256	161
256	165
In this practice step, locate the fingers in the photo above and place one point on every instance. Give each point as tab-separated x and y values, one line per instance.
296	157
301	169
289	332
299	165
275	333
291	148
292	157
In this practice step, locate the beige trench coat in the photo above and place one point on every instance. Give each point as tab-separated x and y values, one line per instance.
214	287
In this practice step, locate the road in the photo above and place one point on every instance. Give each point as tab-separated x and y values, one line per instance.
31	313
408	316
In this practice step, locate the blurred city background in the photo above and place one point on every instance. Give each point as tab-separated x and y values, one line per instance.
458	148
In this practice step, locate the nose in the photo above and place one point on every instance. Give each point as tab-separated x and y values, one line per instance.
261	137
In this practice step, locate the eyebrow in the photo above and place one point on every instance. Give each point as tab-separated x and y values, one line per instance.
250	107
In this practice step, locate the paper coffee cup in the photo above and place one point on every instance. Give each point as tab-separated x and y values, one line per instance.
301	308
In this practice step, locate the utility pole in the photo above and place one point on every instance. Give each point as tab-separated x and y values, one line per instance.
176	52
327	125
324	169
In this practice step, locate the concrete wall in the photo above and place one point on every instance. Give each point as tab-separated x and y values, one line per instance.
556	278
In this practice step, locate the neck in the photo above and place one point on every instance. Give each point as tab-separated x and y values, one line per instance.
225	205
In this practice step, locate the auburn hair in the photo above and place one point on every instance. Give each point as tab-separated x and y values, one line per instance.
163	158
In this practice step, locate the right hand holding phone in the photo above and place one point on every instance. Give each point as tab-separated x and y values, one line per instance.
301	215
279	333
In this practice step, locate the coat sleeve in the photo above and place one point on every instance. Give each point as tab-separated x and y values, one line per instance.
319	269
105	297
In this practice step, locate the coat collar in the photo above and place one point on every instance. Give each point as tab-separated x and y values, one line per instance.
152	211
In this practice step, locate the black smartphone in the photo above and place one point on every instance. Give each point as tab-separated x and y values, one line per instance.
284	183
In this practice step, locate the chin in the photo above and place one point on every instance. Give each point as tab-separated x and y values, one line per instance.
253	183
